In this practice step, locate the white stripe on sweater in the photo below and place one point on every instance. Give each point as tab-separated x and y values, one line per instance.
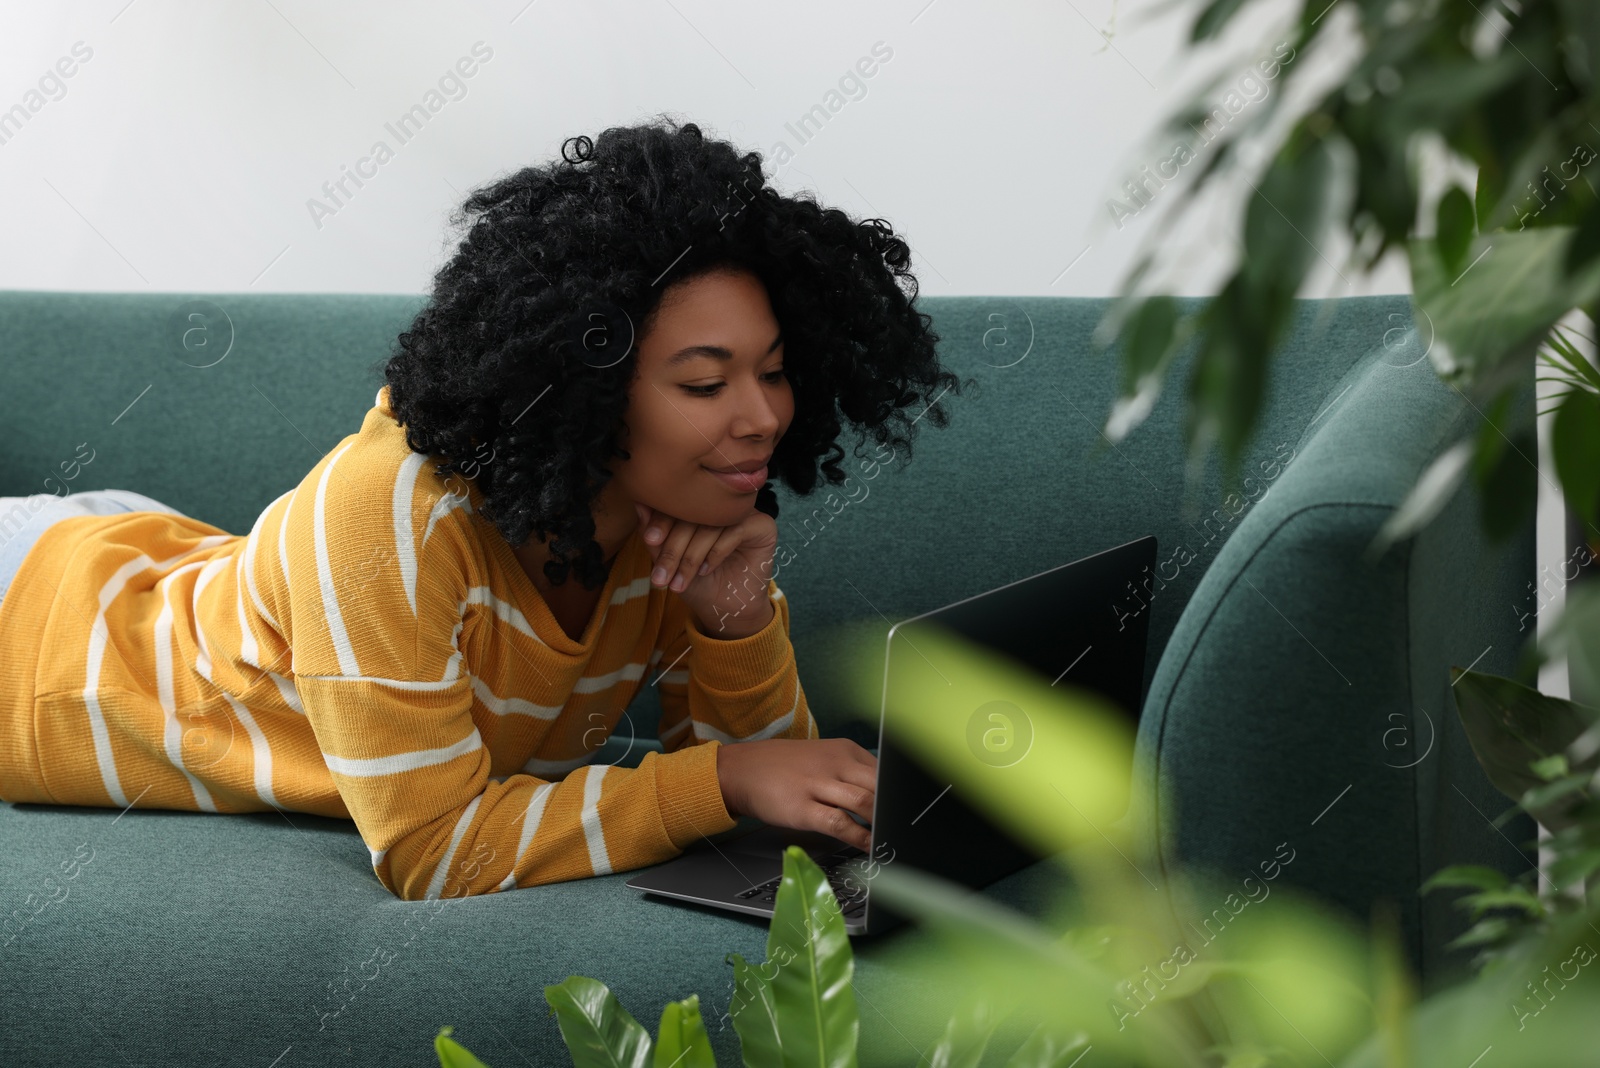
405	537
330	596
530	826
504	610
552	769
596	683
705	732
260	750
95	659
291	696
250	566
249	653
173	731
373	767
283	527
441	508
593	833
398	684
202	661
503	706
442	870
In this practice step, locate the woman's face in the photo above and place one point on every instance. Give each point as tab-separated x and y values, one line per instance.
709	394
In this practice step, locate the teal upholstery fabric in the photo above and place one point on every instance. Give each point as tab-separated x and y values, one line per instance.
1304	696
1276	661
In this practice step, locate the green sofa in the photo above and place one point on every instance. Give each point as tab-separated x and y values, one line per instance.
1294	693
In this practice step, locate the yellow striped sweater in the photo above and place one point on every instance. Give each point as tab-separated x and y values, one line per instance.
373	650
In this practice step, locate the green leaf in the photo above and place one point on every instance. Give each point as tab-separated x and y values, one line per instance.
1047	1048
811	991
1436	91
1491	317
1433	490
1286	216
1151	336
598	1031
1553	166
974	942
1241	327
1585	246
1512	897
965	1037
755	1017
1520	150
1455	226
1575	443
1394	993
1548	794
1213	19
1510	726
1472	876
1510	485
1095	941
681	1040
1148	342
1081	745
1457	1023
1564	356
1484	932
1583	29
1247	1055
453	1054
1564	871
1575	635
1551	768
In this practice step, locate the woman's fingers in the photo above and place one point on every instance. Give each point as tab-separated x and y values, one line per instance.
847	795
728	539
836	822
684	551
860	775
693	554
670	549
852	790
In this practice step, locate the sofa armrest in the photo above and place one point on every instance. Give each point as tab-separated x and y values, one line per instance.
1304	697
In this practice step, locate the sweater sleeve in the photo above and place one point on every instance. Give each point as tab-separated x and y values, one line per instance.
722	690
378	666
414	775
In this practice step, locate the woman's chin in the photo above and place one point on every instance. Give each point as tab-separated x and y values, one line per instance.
722	510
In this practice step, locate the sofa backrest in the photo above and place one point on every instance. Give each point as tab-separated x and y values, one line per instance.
212	404
217	403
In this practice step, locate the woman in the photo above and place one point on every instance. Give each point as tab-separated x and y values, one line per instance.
559	496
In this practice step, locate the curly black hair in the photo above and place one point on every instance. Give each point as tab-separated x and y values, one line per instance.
563	268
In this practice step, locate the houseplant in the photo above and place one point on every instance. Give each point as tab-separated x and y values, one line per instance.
1241	974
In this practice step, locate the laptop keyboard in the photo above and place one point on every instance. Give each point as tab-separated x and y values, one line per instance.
852	902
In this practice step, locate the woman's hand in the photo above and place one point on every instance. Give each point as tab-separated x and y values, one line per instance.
809	784
720	572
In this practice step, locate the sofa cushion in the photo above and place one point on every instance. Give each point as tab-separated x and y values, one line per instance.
191	938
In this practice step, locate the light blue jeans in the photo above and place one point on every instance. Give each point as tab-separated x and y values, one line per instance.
23	519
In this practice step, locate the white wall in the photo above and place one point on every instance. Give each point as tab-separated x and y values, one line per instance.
183	151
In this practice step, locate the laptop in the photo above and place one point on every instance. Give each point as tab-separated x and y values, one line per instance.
1080	622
